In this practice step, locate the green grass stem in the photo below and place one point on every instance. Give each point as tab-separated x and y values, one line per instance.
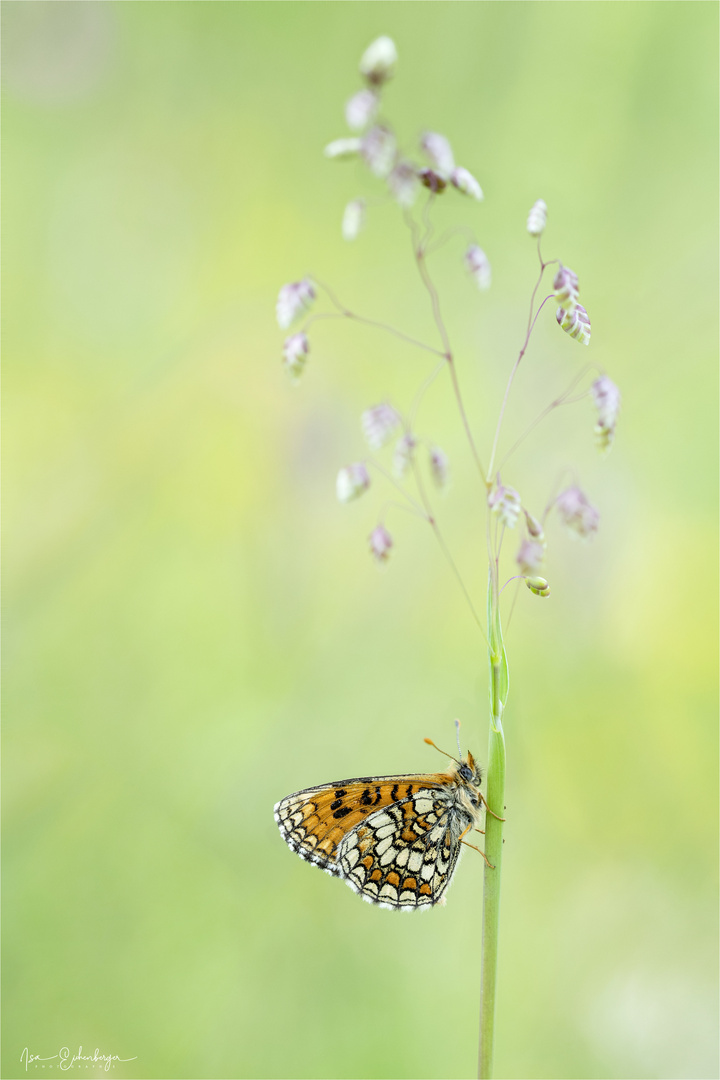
499	684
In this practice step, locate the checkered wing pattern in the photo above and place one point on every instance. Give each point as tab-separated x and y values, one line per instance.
393	839
314	821
403	856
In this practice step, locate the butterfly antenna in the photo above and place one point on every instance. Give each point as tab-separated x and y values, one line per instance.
457	735
431	743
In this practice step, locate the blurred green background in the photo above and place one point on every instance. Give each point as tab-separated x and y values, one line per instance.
193	626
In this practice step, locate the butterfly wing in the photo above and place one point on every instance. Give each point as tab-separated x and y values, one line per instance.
403	855
313	822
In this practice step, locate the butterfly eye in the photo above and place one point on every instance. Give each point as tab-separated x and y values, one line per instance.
466	772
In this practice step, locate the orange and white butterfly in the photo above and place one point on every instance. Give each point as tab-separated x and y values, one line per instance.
396	840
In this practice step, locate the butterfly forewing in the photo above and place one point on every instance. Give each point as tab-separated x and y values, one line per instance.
314	821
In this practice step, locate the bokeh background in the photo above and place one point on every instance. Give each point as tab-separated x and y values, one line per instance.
193	626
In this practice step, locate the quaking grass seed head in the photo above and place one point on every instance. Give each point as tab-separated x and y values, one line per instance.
537	218
379	424
295	352
577	513
352	482
381	543
538	585
293	300
505	503
361	109
353	219
606	398
530	556
377	63
439	153
379	150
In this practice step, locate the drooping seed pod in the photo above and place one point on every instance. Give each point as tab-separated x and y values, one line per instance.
403	183
293	300
379	149
465	182
606	398
361	109
381	543
404	454
377	63
577	513
295	351
352	481
537	218
530	556
478	265
505	502
341	149
566	288
576	323
353	219
379	424
439	153
439	467
538	585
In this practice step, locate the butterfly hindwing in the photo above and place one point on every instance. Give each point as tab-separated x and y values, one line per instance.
402	856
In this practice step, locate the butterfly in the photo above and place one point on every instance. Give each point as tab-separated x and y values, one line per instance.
395	840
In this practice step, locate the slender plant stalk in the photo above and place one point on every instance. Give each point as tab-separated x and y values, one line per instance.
499	683
503	505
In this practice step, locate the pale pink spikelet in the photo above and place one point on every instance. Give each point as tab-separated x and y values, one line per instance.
578	514
295	351
379	150
403	183
439	467
576	323
478	266
566	288
534	527
341	149
381	543
530	556
293	300
352	481
361	109
379	424
606	398
404	454
537	218
465	182
505	502
377	63
439	153
353	219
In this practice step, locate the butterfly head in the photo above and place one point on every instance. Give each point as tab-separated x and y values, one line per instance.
468	771
463	769
469	775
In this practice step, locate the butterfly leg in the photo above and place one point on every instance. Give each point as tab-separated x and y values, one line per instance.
460	838
483	800
487	861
